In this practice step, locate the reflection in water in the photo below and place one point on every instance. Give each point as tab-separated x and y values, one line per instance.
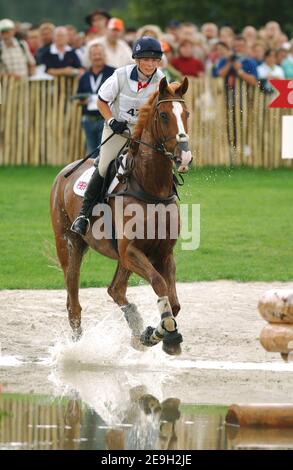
260	438
39	422
115	409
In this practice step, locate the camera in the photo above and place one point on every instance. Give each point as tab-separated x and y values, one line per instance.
234	57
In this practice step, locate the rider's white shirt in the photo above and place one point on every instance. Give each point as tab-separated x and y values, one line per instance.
120	91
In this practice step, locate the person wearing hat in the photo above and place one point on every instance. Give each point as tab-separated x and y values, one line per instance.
15	57
119	99
118	53
97	22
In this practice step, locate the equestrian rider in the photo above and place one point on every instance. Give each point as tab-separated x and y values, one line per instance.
120	97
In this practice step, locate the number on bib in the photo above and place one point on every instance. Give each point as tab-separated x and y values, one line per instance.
131	112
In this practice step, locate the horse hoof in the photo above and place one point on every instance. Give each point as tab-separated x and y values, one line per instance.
145	337
172	350
135	343
285	357
171	343
76	334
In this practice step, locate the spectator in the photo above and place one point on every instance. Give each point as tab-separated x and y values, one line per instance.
186	63
90	82
130	36
268	69
187	31
281	55
15	57
222	53
150	30
280	41
118	53
173	29
271	32
60	59
250	35
98	21
47	34
238	65
34	40
168	70
72	35
287	65
258	52
210	32
227	36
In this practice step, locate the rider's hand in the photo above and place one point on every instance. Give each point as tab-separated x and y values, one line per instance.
117	126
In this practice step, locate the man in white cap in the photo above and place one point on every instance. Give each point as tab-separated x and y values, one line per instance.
15	57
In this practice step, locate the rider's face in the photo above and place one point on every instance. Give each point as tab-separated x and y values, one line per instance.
147	65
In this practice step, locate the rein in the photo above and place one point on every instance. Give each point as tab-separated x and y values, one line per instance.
139	192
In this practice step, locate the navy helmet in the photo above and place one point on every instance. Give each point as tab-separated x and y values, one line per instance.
147	47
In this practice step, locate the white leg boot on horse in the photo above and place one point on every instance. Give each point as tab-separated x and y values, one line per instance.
166	330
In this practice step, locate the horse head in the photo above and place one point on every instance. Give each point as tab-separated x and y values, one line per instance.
170	123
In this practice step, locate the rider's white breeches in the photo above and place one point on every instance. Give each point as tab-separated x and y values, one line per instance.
110	150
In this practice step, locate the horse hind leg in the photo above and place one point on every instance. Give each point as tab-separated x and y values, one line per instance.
70	250
117	290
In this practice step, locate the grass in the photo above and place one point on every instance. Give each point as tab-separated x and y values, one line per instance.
246	229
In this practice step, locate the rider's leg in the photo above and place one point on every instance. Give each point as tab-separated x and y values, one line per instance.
108	153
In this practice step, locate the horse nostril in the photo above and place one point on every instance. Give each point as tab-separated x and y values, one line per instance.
182	138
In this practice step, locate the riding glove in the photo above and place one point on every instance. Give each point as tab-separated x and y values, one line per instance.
117	126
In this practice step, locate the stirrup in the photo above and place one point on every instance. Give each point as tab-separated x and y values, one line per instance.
81	217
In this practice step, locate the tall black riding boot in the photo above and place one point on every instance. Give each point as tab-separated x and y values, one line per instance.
91	197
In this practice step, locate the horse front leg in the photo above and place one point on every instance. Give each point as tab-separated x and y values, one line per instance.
117	290
135	260
167	268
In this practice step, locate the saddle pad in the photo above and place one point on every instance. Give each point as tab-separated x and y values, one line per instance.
81	183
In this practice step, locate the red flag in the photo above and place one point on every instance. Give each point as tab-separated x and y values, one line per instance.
285	98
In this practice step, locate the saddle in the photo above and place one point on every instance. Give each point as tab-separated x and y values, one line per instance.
116	172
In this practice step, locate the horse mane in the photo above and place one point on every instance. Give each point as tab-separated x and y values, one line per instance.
145	110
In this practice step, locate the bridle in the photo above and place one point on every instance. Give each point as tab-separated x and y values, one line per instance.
160	145
158	123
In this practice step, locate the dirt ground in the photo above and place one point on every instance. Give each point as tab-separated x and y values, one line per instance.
222	360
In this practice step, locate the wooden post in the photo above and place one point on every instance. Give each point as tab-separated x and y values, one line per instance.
277	338
273	415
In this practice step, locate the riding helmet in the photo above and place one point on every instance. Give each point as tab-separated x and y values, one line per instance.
147	47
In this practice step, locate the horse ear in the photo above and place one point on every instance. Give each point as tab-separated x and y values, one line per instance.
183	87
163	85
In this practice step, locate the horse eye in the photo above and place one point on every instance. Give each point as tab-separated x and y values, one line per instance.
187	114
164	116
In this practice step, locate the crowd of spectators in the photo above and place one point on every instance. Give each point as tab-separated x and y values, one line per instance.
46	50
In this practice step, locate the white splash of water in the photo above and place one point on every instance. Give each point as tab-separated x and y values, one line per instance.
105	372
107	344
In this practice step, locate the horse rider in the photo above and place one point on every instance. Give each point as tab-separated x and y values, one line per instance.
119	99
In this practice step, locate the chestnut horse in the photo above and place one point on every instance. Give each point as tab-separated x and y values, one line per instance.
159	140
